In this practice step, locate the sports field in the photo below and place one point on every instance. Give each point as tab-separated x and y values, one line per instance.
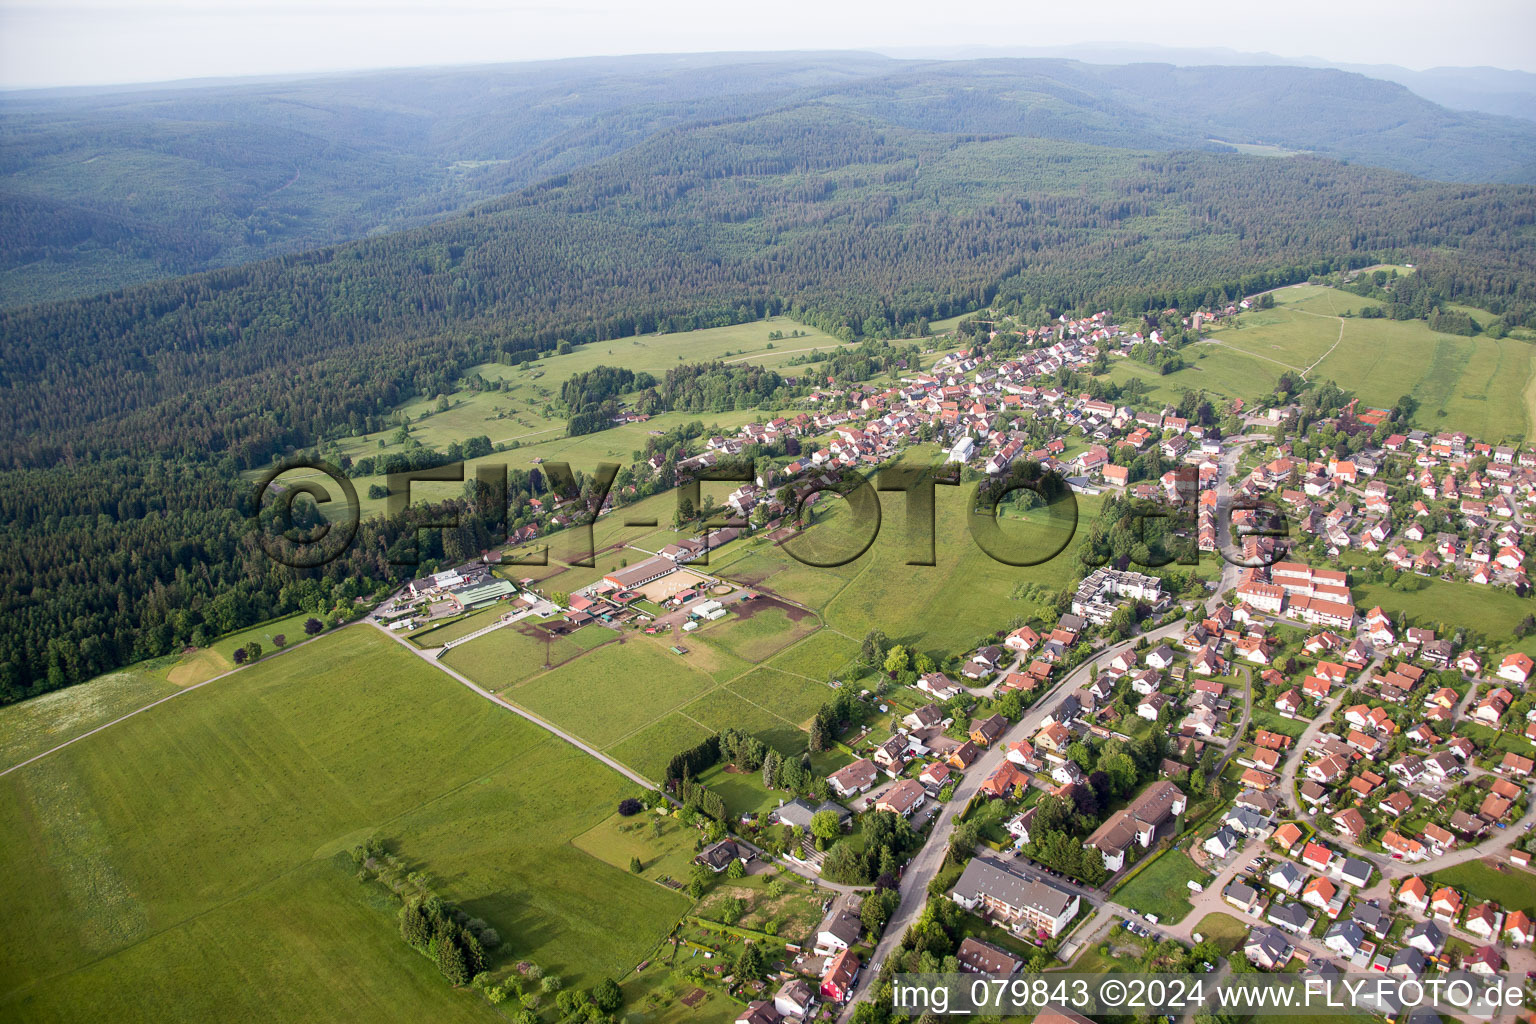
183	864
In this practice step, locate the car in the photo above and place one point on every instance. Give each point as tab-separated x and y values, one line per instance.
1502	826
1209	967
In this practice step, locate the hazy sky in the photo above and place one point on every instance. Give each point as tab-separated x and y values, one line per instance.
65	42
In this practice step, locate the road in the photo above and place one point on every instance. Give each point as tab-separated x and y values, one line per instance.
926	863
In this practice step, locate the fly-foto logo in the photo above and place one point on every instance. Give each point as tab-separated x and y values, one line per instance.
312	534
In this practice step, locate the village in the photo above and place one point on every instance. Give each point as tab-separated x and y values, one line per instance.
1313	765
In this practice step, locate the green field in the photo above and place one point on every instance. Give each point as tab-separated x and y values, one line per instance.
611	692
36	725
510	655
1511	888
1160	887
1484	386
1494	612
754	631
184	863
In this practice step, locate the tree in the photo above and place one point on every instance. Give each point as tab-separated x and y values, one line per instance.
550	983
896	660
750	963
963	840
280	641
313	626
240	655
872	650
629	806
698	882
735	871
826	827
450	960
253	650
635	866
607	996
731	909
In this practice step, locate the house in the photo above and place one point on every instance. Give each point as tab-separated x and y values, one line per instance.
978	957
1223	842
1514	764
1353	870
1151	706
1241	895
1319	893
1426	937
1327	769
1137	823
760	1011
1518	930
925	717
1440	838
904	797
987	731
837	933
795	999
1350	821
1289	702
1373	919
1287	836
1408	962
1414	893
853	779
1007	777
1402	847
1483	920
1020	902
1484	960
1445	903
1292	917
1267	948
1396	804
1516	667
963	756
1316	856
1345	938
718	856
892	754
837	983
1286	877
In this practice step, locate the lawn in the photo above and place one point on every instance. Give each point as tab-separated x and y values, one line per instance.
1223	929
665	847
612	691
1160	888
1512	888
184	863
819	656
648	750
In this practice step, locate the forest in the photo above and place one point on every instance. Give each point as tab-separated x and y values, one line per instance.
132	414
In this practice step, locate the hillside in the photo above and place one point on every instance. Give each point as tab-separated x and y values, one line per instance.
101	190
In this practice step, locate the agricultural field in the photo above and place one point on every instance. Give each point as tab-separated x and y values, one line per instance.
790	696
755	630
610	692
510	655
189	862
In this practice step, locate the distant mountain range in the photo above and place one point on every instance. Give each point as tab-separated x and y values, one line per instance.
1483	89
100	189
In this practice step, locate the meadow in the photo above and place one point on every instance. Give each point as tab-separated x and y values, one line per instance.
1160	887
189	863
1484	386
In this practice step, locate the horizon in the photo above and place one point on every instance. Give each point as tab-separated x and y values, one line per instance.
130	43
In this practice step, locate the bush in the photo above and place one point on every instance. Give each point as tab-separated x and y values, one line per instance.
629	807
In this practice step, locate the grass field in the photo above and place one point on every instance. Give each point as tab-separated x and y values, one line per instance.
791	697
1223	929
183	864
1512	888
1482	385
219	656
754	631
1489	611
613	691
1160	888
36	725
509	655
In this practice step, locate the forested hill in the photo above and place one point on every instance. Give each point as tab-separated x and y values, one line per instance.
105	190
816	207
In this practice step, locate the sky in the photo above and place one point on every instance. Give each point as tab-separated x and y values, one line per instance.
98	42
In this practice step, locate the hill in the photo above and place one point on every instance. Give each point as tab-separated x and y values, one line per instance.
103	190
